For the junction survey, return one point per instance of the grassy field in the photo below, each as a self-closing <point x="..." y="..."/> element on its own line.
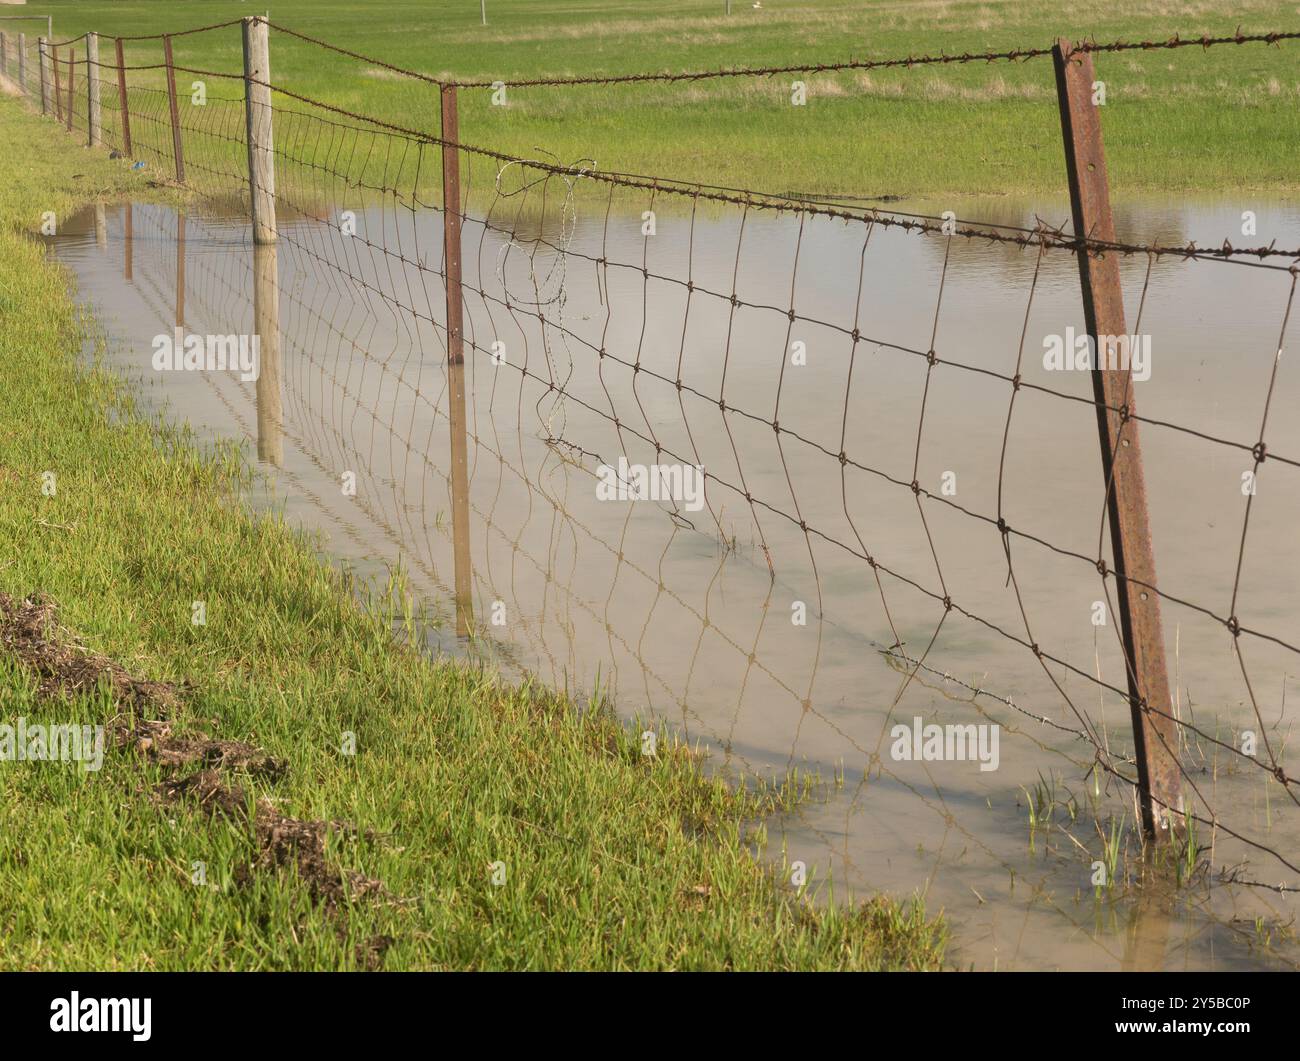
<point x="1184" y="120"/>
<point x="477" y="825"/>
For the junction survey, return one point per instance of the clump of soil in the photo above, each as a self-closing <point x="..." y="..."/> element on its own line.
<point x="30" y="631"/>
<point x="154" y="740"/>
<point x="281" y="841"/>
<point x="370" y="953"/>
<point x="65" y="669"/>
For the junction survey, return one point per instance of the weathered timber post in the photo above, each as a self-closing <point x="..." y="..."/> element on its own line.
<point x="451" y="243"/>
<point x="175" y="110"/>
<point x="93" y="132"/>
<point x="257" y="112"/>
<point x="72" y="70"/>
<point x="1155" y="737"/>
<point x="4" y="53"/>
<point x="58" y="84"/>
<point x="121" y="101"/>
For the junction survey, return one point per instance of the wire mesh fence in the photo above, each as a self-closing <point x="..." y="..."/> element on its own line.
<point x="831" y="371"/>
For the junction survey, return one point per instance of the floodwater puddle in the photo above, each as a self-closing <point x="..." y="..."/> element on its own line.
<point x="846" y="395"/>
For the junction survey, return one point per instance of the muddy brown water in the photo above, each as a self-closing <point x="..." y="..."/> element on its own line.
<point x="688" y="617"/>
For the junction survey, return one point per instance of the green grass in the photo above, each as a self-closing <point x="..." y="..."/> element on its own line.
<point x="612" y="859"/>
<point x="1185" y="120"/>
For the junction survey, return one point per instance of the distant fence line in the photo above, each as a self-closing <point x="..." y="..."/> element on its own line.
<point x="367" y="152"/>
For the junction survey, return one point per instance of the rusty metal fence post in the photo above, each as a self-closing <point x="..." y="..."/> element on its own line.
<point x="43" y="67"/>
<point x="175" y="110"/>
<point x="93" y="116"/>
<point x="1155" y="736"/>
<point x="258" y="128"/>
<point x="121" y="101"/>
<point x="451" y="243"/>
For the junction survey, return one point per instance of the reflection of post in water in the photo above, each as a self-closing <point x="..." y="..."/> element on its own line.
<point x="460" y="496"/>
<point x="101" y="227"/>
<point x="456" y="363"/>
<point x="266" y="326"/>
<point x="1146" y="936"/>
<point x="180" y="269"/>
<point x="128" y="243"/>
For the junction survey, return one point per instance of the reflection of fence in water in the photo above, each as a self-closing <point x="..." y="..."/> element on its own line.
<point x="518" y="217"/>
<point x="339" y="403"/>
<point x="346" y="421"/>
<point x="217" y="288"/>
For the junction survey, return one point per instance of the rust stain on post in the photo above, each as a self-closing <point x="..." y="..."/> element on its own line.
<point x="175" y="110"/>
<point x="121" y="97"/>
<point x="1155" y="734"/>
<point x="456" y="361"/>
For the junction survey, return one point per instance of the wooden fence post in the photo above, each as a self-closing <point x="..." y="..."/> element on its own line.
<point x="175" y="110"/>
<point x="72" y="70"/>
<point x="257" y="114"/>
<point x="93" y="133"/>
<point x="1155" y="735"/>
<point x="58" y="85"/>
<point x="121" y="101"/>
<point x="4" y="53"/>
<point x="451" y="243"/>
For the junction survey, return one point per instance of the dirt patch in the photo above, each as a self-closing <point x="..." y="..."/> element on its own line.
<point x="65" y="669"/>
<point x="31" y="632"/>
<point x="155" y="741"/>
<point x="282" y="842"/>
<point x="370" y="954"/>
